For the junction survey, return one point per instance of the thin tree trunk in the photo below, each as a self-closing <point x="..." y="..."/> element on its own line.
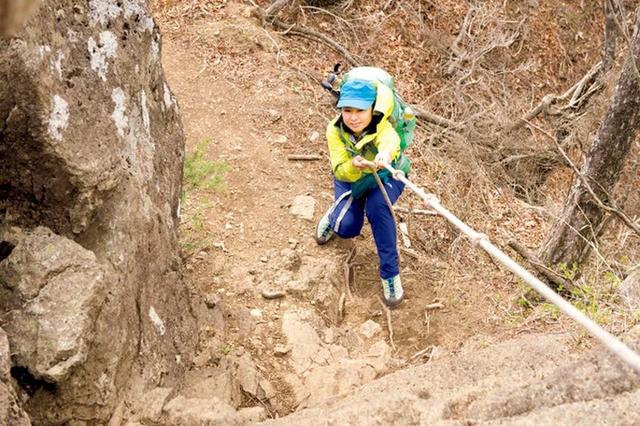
<point x="581" y="220"/>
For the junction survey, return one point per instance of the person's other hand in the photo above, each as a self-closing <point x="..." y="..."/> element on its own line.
<point x="382" y="159"/>
<point x="359" y="162"/>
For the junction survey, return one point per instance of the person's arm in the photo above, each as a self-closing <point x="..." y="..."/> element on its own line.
<point x="388" y="143"/>
<point x="342" y="164"/>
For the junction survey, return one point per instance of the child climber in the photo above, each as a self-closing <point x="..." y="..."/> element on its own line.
<point x="362" y="134"/>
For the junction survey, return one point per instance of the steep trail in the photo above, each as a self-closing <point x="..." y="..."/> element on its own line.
<point x="241" y="238"/>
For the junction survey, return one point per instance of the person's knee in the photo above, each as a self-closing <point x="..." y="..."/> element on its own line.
<point x="349" y="227"/>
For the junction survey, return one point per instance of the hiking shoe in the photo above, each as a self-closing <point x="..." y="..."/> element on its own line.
<point x="392" y="289"/>
<point x="324" y="232"/>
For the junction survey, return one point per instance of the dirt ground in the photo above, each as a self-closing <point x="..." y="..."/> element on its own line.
<point x="240" y="88"/>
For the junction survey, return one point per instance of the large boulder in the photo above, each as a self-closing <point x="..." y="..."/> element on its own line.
<point x="57" y="288"/>
<point x="92" y="149"/>
<point x="529" y="380"/>
<point x="629" y="290"/>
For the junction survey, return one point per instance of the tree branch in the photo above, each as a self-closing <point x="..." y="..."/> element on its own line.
<point x="613" y="208"/>
<point x="574" y="93"/>
<point x="436" y="119"/>
<point x="293" y="29"/>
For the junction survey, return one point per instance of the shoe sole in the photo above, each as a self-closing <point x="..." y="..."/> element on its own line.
<point x="393" y="303"/>
<point x="322" y="241"/>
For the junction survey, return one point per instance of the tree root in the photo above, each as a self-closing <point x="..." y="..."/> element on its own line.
<point x="551" y="275"/>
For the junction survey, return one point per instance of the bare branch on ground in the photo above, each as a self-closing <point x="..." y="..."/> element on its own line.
<point x="577" y="95"/>
<point x="294" y="29"/>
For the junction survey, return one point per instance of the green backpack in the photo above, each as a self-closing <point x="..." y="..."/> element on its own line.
<point x="402" y="118"/>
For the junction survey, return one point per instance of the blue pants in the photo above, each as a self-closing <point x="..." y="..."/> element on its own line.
<point x="347" y="218"/>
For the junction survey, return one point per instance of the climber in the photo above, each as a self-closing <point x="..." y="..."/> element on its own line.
<point x="362" y="134"/>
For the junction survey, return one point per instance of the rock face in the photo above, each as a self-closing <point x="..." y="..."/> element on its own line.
<point x="629" y="290"/>
<point x="530" y="380"/>
<point x="10" y="412"/>
<point x="92" y="150"/>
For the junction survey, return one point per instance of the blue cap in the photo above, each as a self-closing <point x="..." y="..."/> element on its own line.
<point x="358" y="94"/>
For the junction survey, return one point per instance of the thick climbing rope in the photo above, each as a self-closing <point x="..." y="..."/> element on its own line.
<point x="611" y="342"/>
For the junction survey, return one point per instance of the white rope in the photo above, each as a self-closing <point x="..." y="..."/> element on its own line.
<point x="607" y="339"/>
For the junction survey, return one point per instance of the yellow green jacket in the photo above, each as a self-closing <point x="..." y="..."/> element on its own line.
<point x="343" y="146"/>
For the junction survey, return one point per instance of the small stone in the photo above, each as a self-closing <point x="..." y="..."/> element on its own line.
<point x="314" y="136"/>
<point x="220" y="245"/>
<point x="271" y="294"/>
<point x="274" y="114"/>
<point x="228" y="226"/>
<point x="329" y="336"/>
<point x="256" y="313"/>
<point x="281" y="350"/>
<point x="279" y="139"/>
<point x="303" y="206"/>
<point x="263" y="259"/>
<point x="211" y="300"/>
<point x="201" y="255"/>
<point x="370" y="329"/>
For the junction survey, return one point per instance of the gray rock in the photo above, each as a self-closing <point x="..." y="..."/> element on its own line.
<point x="199" y="412"/>
<point x="5" y="357"/>
<point x="50" y="334"/>
<point x="417" y="393"/>
<point x="369" y="329"/>
<point x="212" y="383"/>
<point x="36" y="258"/>
<point x="251" y="415"/>
<point x="10" y="411"/>
<point x="379" y="356"/>
<point x="301" y="336"/>
<point x="101" y="168"/>
<point x="281" y="350"/>
<point x="149" y="408"/>
<point x="629" y="290"/>
<point x="303" y="206"/>
<point x="597" y="375"/>
<point x="251" y="381"/>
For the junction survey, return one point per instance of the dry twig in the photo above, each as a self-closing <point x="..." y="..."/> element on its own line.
<point x="303" y="157"/>
<point x="341" y="305"/>
<point x="437" y="120"/>
<point x="574" y="94"/>
<point x="293" y="29"/>
<point x="389" y="325"/>
<point x="434" y="305"/>
<point x="417" y="212"/>
<point x="349" y="271"/>
<point x="421" y="353"/>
